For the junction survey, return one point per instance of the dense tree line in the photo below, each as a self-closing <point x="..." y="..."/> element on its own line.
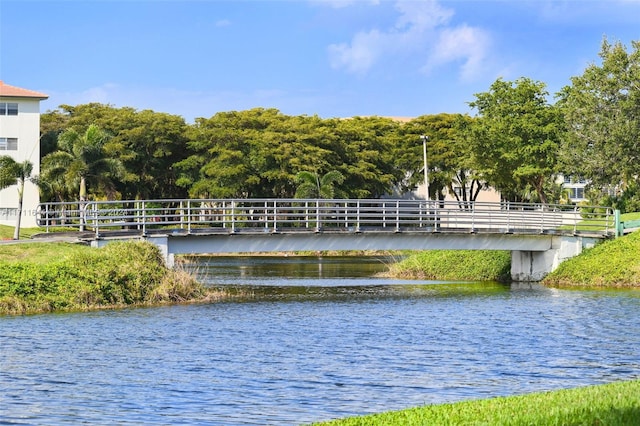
<point x="517" y="142"/>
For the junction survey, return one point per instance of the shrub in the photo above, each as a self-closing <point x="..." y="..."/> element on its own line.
<point x="125" y="273"/>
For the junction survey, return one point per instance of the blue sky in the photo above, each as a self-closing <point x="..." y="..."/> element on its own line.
<point x="333" y="58"/>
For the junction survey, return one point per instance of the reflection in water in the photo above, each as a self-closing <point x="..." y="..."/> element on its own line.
<point x="238" y="268"/>
<point x="304" y="348"/>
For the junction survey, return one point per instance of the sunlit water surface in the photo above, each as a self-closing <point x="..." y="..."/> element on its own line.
<point x="314" y="339"/>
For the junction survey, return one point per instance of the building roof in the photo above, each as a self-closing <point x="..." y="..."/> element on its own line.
<point x="7" y="91"/>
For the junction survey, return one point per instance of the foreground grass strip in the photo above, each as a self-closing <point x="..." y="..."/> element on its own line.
<point x="612" y="404"/>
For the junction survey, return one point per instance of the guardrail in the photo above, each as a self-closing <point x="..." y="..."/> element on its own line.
<point x="324" y="215"/>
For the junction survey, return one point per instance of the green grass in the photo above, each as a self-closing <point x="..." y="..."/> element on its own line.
<point x="47" y="277"/>
<point x="611" y="404"/>
<point x="467" y="265"/>
<point x="630" y="216"/>
<point x="612" y="263"/>
<point x="6" y="232"/>
<point x="39" y="253"/>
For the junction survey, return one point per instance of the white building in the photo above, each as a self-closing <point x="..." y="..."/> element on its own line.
<point x="574" y="188"/>
<point x="20" y="139"/>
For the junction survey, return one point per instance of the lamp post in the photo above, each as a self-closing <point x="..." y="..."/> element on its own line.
<point x="425" y="138"/>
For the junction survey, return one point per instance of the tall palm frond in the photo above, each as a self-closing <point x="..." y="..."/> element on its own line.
<point x="313" y="186"/>
<point x="81" y="161"/>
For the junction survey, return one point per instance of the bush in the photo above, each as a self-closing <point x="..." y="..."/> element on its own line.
<point x="125" y="273"/>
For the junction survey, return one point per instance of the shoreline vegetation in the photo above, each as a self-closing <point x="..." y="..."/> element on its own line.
<point x="64" y="277"/>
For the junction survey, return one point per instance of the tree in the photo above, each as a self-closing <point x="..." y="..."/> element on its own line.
<point x="313" y="186"/>
<point x="12" y="172"/>
<point x="365" y="155"/>
<point x="7" y="171"/>
<point x="449" y="157"/>
<point x="515" y="139"/>
<point x="148" y="144"/>
<point x="602" y="114"/>
<point x="221" y="164"/>
<point x="82" y="161"/>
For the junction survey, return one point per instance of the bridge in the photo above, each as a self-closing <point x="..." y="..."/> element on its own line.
<point x="539" y="237"/>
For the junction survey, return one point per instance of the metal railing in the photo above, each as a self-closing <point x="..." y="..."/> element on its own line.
<point x="324" y="215"/>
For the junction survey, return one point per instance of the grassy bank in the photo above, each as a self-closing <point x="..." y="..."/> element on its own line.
<point x="6" y="232"/>
<point x="611" y="404"/>
<point x="46" y="277"/>
<point x="613" y="263"/>
<point x="468" y="265"/>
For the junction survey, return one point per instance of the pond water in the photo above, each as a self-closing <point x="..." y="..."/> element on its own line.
<point x="314" y="339"/>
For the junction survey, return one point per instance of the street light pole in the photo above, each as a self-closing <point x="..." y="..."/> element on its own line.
<point x="426" y="167"/>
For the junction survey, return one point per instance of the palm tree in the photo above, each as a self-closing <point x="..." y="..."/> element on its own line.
<point x="12" y="172"/>
<point x="81" y="160"/>
<point x="7" y="171"/>
<point x="313" y="186"/>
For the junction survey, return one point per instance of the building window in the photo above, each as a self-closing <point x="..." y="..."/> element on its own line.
<point x="576" y="193"/>
<point x="8" y="108"/>
<point x="8" y="144"/>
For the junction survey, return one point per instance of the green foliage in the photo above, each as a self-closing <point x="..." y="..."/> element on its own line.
<point x="120" y="274"/>
<point x="313" y="186"/>
<point x="627" y="201"/>
<point x="448" y="154"/>
<point x="81" y="161"/>
<point x="613" y="263"/>
<point x="146" y="143"/>
<point x="472" y="265"/>
<point x="611" y="404"/>
<point x="515" y="139"/>
<point x="8" y="171"/>
<point x="602" y="115"/>
<point x="12" y="172"/>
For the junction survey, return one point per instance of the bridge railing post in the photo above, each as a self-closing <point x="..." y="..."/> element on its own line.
<point x="188" y="216"/>
<point x="96" y="223"/>
<point x="318" y="227"/>
<point x="397" y="215"/>
<point x="144" y="218"/>
<point x="233" y="216"/>
<point x="275" y="215"/>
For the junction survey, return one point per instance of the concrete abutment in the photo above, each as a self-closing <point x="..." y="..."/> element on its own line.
<point x="530" y="266"/>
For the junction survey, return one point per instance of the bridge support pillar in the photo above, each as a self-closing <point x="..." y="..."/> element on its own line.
<point x="162" y="242"/>
<point x="535" y="265"/>
<point x="531" y="265"/>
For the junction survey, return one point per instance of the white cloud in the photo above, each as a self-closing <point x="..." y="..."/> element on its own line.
<point x="361" y="54"/>
<point x="422" y="27"/>
<point x="421" y="15"/>
<point x="463" y="43"/>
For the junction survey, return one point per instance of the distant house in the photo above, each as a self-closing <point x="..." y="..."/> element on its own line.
<point x="574" y="188"/>
<point x="20" y="139"/>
